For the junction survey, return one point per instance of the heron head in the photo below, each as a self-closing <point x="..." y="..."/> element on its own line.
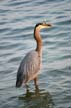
<point x="42" y="25"/>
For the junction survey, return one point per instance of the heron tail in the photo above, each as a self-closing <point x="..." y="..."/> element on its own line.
<point x="19" y="81"/>
<point x="18" y="84"/>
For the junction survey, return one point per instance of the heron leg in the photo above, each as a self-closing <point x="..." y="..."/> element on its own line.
<point x="26" y="85"/>
<point x="35" y="82"/>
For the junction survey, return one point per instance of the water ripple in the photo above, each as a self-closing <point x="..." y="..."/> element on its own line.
<point x="17" y="21"/>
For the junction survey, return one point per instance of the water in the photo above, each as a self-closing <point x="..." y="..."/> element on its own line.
<point x="17" y="21"/>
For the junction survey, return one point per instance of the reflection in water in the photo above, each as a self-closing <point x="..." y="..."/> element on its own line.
<point x="37" y="99"/>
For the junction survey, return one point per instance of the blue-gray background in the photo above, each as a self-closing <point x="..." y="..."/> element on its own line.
<point x="17" y="21"/>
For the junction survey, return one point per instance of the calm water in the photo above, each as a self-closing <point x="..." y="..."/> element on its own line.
<point x="17" y="21"/>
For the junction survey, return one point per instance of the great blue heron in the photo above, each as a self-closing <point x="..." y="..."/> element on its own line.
<point x="30" y="65"/>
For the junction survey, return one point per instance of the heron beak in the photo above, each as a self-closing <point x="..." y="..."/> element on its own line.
<point x="48" y="25"/>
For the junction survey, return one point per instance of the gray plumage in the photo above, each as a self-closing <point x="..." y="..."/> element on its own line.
<point x="29" y="68"/>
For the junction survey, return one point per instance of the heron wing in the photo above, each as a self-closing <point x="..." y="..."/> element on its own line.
<point x="29" y="67"/>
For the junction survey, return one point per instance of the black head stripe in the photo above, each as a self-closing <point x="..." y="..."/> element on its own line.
<point x="38" y="24"/>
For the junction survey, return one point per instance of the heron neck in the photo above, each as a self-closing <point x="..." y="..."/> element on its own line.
<point x="38" y="39"/>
